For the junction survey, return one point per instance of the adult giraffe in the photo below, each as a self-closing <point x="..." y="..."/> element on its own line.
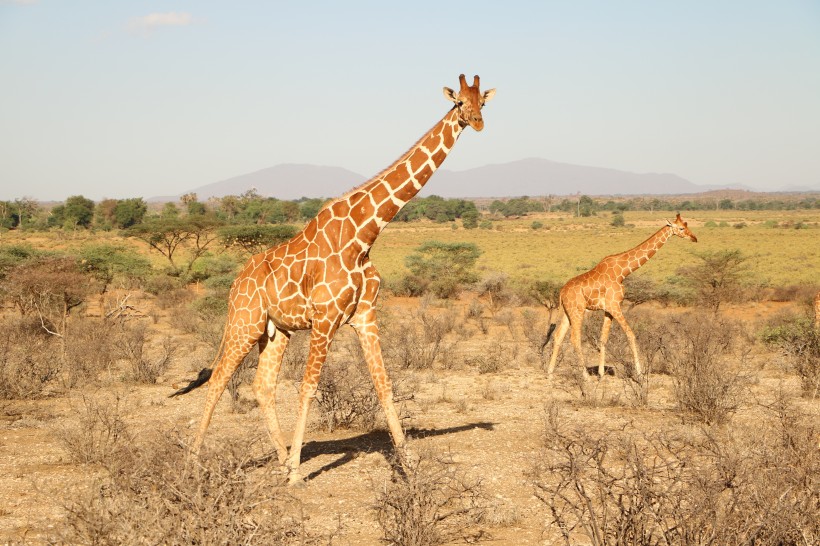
<point x="322" y="278"/>
<point x="602" y="288"/>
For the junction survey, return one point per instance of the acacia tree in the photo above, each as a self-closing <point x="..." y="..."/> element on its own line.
<point x="442" y="268"/>
<point x="166" y="235"/>
<point x="163" y="235"/>
<point x="254" y="239"/>
<point x="718" y="278"/>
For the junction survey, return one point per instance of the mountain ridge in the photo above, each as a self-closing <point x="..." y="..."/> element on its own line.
<point x="531" y="176"/>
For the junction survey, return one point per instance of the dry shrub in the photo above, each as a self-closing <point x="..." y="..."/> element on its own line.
<point x="142" y="367"/>
<point x="475" y="310"/>
<point x="625" y="488"/>
<point x="417" y="343"/>
<point x="243" y="376"/>
<point x="89" y="350"/>
<point x="703" y="357"/>
<point x="508" y="318"/>
<point x="28" y="367"/>
<point x="346" y="397"/>
<point x="296" y="355"/>
<point x="799" y="341"/>
<point x="535" y="328"/>
<point x="98" y="432"/>
<point x="491" y="360"/>
<point x="431" y="501"/>
<point x="166" y="497"/>
<point x="495" y="287"/>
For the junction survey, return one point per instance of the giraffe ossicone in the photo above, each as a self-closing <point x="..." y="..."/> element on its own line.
<point x="322" y="278"/>
<point x="602" y="289"/>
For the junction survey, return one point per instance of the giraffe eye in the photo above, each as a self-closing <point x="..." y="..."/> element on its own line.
<point x="460" y="103"/>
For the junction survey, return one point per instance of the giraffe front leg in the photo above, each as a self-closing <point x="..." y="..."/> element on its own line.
<point x="368" y="332"/>
<point x="236" y="347"/>
<point x="271" y="351"/>
<point x="320" y="337"/>
<point x="604" y="338"/>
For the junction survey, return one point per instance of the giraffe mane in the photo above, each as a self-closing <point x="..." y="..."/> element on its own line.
<point x="402" y="158"/>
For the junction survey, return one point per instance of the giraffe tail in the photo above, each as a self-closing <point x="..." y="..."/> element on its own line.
<point x="204" y="373"/>
<point x="547" y="340"/>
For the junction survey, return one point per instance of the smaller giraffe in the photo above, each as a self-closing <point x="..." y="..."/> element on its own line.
<point x="817" y="312"/>
<point x="602" y="288"/>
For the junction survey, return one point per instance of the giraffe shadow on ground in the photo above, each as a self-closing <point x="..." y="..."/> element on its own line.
<point x="593" y="370"/>
<point x="368" y="442"/>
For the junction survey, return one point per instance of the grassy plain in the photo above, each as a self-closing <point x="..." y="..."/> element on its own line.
<point x="566" y="246"/>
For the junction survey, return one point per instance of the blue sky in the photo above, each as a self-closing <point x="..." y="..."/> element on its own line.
<point x="125" y="99"/>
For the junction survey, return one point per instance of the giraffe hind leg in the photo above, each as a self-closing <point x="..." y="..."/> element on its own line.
<point x="575" y="338"/>
<point x="556" y="348"/>
<point x="630" y="336"/>
<point x="237" y="346"/>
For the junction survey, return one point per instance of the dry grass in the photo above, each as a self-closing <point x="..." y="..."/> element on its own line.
<point x="431" y="501"/>
<point x="154" y="492"/>
<point x="624" y="487"/>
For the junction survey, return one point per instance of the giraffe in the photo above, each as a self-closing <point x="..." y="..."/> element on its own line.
<point x="602" y="288"/>
<point x="322" y="278"/>
<point x="817" y="312"/>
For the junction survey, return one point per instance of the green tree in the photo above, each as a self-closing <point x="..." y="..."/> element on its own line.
<point x="25" y="210"/>
<point x="195" y="208"/>
<point x="470" y="219"/>
<point x="170" y="210"/>
<point x="107" y="262"/>
<point x="77" y="211"/>
<point x="444" y="268"/>
<point x="6" y="214"/>
<point x="586" y="206"/>
<point x="310" y="208"/>
<point x="129" y="212"/>
<point x="104" y="213"/>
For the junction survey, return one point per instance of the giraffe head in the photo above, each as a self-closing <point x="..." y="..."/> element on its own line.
<point x="681" y="229"/>
<point x="469" y="102"/>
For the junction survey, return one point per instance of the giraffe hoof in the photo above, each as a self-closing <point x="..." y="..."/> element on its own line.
<point x="296" y="481"/>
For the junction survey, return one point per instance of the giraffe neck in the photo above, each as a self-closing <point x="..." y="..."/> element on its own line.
<point x="636" y="257"/>
<point x="376" y="202"/>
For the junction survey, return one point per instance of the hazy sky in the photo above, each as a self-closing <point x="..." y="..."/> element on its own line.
<point x="136" y="99"/>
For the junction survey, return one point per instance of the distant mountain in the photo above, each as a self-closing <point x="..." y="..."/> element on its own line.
<point x="536" y="176"/>
<point x="287" y="181"/>
<point x="524" y="177"/>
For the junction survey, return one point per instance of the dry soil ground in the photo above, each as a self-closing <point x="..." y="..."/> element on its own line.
<point x="490" y="423"/>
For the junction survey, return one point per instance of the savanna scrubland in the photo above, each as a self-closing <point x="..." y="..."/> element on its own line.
<point x="718" y="445"/>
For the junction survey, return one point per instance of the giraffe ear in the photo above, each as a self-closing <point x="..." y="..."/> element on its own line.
<point x="489" y="94"/>
<point x="450" y="95"/>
